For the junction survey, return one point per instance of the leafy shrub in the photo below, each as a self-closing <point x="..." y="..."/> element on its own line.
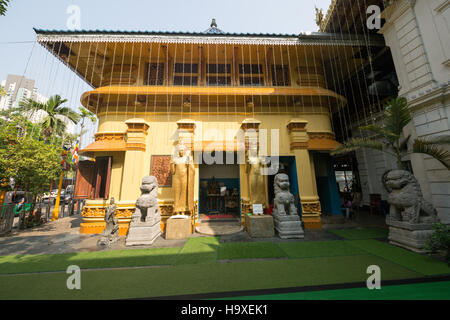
<point x="440" y="240"/>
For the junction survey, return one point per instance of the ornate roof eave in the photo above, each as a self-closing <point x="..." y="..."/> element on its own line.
<point x="302" y="39"/>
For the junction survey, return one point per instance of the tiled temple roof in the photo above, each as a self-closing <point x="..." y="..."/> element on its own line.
<point x="206" y="36"/>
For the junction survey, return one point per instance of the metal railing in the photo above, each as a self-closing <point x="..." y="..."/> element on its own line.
<point x="34" y="214"/>
<point x="7" y="215"/>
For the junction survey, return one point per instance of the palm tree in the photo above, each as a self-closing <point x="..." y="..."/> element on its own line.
<point x="3" y="5"/>
<point x="53" y="121"/>
<point x="388" y="137"/>
<point x="85" y="114"/>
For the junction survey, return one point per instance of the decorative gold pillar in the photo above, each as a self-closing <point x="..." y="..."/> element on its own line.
<point x="309" y="198"/>
<point x="135" y="141"/>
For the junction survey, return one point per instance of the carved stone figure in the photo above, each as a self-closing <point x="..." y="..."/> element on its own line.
<point x="411" y="217"/>
<point x="145" y="224"/>
<point x="183" y="176"/>
<point x="111" y="233"/>
<point x="147" y="204"/>
<point x="286" y="219"/>
<point x="406" y="200"/>
<point x="284" y="202"/>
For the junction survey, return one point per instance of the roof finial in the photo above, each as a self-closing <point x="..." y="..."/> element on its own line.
<point x="213" y="23"/>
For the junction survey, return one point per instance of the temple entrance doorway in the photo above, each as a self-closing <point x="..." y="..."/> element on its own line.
<point x="219" y="192"/>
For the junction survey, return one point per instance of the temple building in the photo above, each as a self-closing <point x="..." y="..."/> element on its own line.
<point x="235" y="104"/>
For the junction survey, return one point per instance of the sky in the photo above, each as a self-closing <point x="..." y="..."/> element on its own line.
<point x="20" y="55"/>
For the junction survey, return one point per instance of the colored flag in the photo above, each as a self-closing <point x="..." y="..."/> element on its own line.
<point x="75" y="152"/>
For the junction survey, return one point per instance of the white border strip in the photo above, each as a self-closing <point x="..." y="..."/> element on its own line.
<point x="193" y="39"/>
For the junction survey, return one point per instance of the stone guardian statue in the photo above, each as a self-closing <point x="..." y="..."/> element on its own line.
<point x="286" y="219"/>
<point x="411" y="217"/>
<point x="145" y="224"/>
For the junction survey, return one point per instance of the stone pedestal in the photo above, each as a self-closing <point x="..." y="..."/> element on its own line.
<point x="260" y="226"/>
<point x="144" y="233"/>
<point x="288" y="226"/>
<point x="410" y="236"/>
<point x="178" y="228"/>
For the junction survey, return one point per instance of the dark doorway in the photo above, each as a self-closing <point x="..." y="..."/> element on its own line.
<point x="93" y="179"/>
<point x="219" y="192"/>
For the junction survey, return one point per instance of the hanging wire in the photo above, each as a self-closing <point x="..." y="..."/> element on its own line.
<point x="340" y="81"/>
<point x="120" y="85"/>
<point x="283" y="73"/>
<point x="73" y="83"/>
<point x="275" y="68"/>
<point x="157" y="74"/>
<point x="344" y="87"/>
<point x="108" y="103"/>
<point x="330" y="111"/>
<point x="361" y="132"/>
<point x="334" y="88"/>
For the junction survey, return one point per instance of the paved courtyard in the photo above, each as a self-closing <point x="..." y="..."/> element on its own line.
<point x="63" y="236"/>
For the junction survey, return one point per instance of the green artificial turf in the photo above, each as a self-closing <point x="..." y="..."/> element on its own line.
<point x="199" y="278"/>
<point x="361" y="233"/>
<point x="417" y="291"/>
<point x="414" y="261"/>
<point x="87" y="260"/>
<point x="249" y="250"/>
<point x="198" y="250"/>
<point x="319" y="249"/>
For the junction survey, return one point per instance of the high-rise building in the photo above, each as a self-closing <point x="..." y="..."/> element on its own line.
<point x="19" y="88"/>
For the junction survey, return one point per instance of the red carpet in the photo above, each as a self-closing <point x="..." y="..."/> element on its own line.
<point x="219" y="216"/>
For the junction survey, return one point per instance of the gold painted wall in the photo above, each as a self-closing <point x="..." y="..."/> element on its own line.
<point x="159" y="141"/>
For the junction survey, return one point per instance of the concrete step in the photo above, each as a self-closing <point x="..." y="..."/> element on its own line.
<point x="219" y="227"/>
<point x="225" y="220"/>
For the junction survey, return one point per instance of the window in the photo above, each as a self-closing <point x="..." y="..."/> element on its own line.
<point x="251" y="81"/>
<point x="185" y="74"/>
<point x="218" y="68"/>
<point x="93" y="179"/>
<point x="186" y="68"/>
<point x="185" y="81"/>
<point x="281" y="76"/>
<point x="251" y="75"/>
<point x="154" y="74"/>
<point x="218" y="74"/>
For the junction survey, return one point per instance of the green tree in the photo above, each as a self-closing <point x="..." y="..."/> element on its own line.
<point x="25" y="157"/>
<point x="53" y="121"/>
<point x="3" y="5"/>
<point x="2" y="91"/>
<point x="388" y="137"/>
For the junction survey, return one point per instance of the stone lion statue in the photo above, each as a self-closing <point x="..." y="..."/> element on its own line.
<point x="284" y="202"/>
<point x="147" y="204"/>
<point x="406" y="200"/>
